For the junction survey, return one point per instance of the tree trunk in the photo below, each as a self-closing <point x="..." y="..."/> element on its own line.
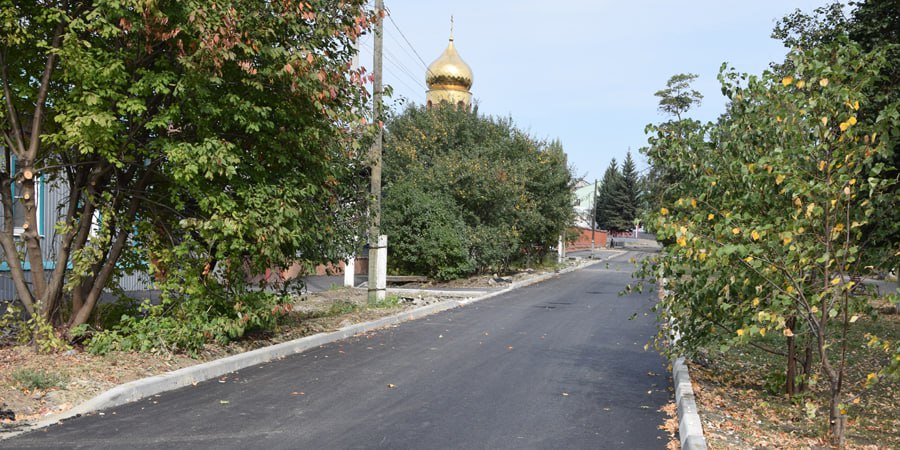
<point x="838" y="420"/>
<point x="790" y="382"/>
<point x="807" y="365"/>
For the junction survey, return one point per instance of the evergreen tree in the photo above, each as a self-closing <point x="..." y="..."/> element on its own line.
<point x="608" y="212"/>
<point x="628" y="194"/>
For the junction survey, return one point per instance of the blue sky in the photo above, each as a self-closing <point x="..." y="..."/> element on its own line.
<point x="583" y="71"/>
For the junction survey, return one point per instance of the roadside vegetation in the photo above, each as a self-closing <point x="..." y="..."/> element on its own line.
<point x="776" y="214"/>
<point x="467" y="194"/>
<point x="205" y="145"/>
<point x="200" y="143"/>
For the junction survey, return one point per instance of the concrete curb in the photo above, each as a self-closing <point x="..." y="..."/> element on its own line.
<point x="690" y="428"/>
<point x="146" y="387"/>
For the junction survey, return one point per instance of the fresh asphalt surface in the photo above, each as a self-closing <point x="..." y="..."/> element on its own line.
<point x="554" y="365"/>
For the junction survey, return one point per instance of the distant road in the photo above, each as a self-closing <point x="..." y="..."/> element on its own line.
<point x="557" y="365"/>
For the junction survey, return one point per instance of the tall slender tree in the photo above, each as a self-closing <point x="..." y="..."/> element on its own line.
<point x="628" y="197"/>
<point x="609" y="214"/>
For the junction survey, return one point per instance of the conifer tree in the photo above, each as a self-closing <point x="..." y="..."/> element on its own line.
<point x="608" y="212"/>
<point x="627" y="196"/>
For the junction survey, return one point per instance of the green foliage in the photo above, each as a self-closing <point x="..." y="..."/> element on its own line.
<point x="667" y="140"/>
<point x="619" y="197"/>
<point x="32" y="330"/>
<point x="465" y="193"/>
<point x="212" y="140"/>
<point x="608" y="213"/>
<point x="765" y="220"/>
<point x="678" y="97"/>
<point x="186" y="325"/>
<point x="33" y="379"/>
<point x="427" y="233"/>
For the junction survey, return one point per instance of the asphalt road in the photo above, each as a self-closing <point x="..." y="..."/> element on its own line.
<point x="555" y="365"/>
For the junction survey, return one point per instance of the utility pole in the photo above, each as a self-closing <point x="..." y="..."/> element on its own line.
<point x="593" y="216"/>
<point x="377" y="242"/>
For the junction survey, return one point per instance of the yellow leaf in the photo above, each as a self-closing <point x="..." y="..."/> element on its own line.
<point x="790" y="289"/>
<point x="740" y="332"/>
<point x="710" y="217"/>
<point x="843" y="126"/>
<point x="754" y="235"/>
<point x="663" y="211"/>
<point x="735" y="231"/>
<point x="693" y="202"/>
<point x="854" y="318"/>
<point x="856" y="105"/>
<point x="713" y="183"/>
<point x="787" y="332"/>
<point x="822" y="165"/>
<point x="835" y="281"/>
<point x="756" y="301"/>
<point x="787" y="241"/>
<point x="801" y="84"/>
<point x="748" y="259"/>
<point x="779" y="179"/>
<point x="824" y="121"/>
<point x="852" y="120"/>
<point x="823" y="82"/>
<point x="762" y="331"/>
<point x="681" y="241"/>
<point x="852" y="181"/>
<point x="786" y="81"/>
<point x="797" y="202"/>
<point x="871" y="377"/>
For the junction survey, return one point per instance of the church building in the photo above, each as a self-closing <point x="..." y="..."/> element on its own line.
<point x="449" y="79"/>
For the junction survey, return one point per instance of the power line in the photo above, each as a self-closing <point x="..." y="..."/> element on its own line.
<point x="402" y="70"/>
<point x="406" y="71"/>
<point x="393" y="22"/>
<point x="402" y="45"/>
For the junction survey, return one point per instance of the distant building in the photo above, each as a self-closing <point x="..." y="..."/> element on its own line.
<point x="585" y="237"/>
<point x="449" y="79"/>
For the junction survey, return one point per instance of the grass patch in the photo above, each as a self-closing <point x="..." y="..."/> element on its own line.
<point x="388" y="302"/>
<point x="33" y="379"/>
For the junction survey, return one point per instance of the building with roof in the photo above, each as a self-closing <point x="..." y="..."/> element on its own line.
<point x="449" y="79"/>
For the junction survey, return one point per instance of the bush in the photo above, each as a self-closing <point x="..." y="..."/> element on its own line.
<point x="186" y="324"/>
<point x="466" y="193"/>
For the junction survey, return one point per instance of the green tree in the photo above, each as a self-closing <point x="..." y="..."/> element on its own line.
<point x="668" y="139"/>
<point x="875" y="26"/>
<point x="609" y="199"/>
<point x="506" y="197"/>
<point x="678" y="97"/>
<point x="766" y="229"/>
<point x="199" y="141"/>
<point x="628" y="197"/>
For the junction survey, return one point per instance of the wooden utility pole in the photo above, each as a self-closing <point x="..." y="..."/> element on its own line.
<point x="377" y="243"/>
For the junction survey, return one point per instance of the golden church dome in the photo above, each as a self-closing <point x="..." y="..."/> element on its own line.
<point x="449" y="71"/>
